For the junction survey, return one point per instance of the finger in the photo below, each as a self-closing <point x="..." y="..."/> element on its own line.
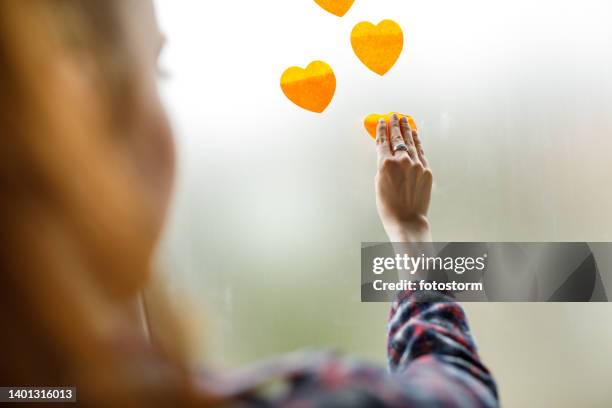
<point x="419" y="148"/>
<point x="382" y="141"/>
<point x="407" y="135"/>
<point x="397" y="140"/>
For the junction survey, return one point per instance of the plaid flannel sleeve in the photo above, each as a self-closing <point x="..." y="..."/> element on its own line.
<point x="430" y="348"/>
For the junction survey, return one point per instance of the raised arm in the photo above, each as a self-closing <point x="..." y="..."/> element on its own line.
<point x="433" y="361"/>
<point x="429" y="346"/>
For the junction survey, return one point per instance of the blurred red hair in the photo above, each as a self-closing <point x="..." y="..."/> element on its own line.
<point x="78" y="234"/>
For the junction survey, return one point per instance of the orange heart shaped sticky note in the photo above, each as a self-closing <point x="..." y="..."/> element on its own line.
<point x="371" y="121"/>
<point x="337" y="7"/>
<point x="312" y="88"/>
<point x="378" y="46"/>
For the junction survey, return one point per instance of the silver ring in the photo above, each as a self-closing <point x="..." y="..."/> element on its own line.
<point x="400" y="147"/>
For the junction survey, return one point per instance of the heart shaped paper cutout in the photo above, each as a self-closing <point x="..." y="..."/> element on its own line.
<point x="337" y="7"/>
<point x="378" y="46"/>
<point x="371" y="121"/>
<point x="312" y="88"/>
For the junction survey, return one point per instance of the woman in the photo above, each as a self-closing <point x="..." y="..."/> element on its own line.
<point x="86" y="167"/>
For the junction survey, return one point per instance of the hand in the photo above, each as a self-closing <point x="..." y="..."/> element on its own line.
<point x="403" y="182"/>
